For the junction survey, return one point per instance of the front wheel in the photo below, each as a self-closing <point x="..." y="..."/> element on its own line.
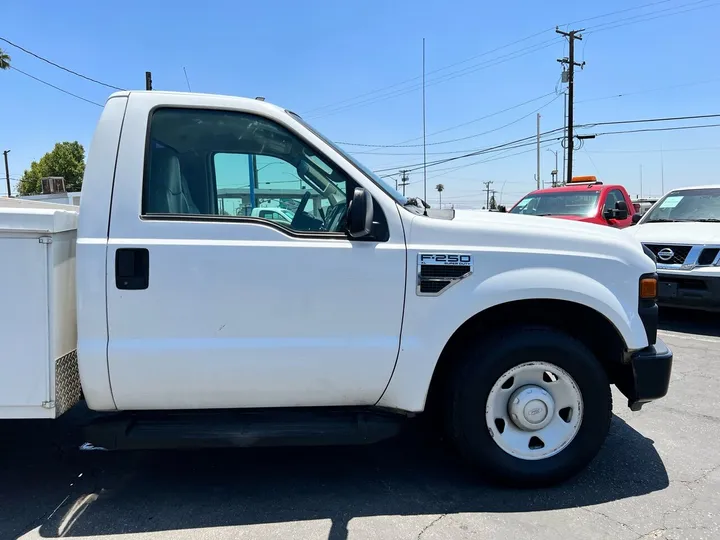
<point x="529" y="407"/>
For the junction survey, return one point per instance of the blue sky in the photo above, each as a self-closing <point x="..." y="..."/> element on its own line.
<point x="318" y="57"/>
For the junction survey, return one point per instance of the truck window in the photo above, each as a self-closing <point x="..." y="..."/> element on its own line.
<point x="613" y="196"/>
<point x="223" y="163"/>
<point x="558" y="203"/>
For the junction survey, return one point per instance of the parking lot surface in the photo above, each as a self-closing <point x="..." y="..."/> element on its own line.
<point x="657" y="477"/>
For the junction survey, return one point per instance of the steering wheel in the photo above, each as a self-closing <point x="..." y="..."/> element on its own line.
<point x="298" y="218"/>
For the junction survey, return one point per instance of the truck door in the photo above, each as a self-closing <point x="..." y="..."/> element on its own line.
<point x="213" y="306"/>
<point x="612" y="197"/>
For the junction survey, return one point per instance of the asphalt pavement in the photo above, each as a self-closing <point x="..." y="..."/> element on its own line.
<point x="657" y="477"/>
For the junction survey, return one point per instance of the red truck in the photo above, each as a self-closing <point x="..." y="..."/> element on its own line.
<point x="584" y="199"/>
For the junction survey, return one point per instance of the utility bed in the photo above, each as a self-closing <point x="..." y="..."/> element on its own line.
<point x="38" y="332"/>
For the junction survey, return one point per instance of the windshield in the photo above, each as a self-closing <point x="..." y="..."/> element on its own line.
<point x="389" y="189"/>
<point x="686" y="205"/>
<point x="558" y="203"/>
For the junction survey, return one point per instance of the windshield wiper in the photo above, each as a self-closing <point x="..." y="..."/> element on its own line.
<point x="708" y="220"/>
<point x="662" y="220"/>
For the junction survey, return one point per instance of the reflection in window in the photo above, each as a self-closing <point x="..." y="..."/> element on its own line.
<point x="235" y="164"/>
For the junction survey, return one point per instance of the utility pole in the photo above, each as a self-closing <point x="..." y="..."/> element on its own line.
<point x="641" y="194"/>
<point x="404" y="180"/>
<point x="539" y="183"/>
<point x="148" y="80"/>
<point x="7" y="173"/>
<point x="571" y="63"/>
<point x="487" y="194"/>
<point x="564" y="135"/>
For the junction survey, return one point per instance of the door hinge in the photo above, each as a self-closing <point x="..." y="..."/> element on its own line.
<point x="45" y="240"/>
<point x="48" y="404"/>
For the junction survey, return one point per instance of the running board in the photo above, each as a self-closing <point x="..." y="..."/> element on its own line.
<point x="237" y="428"/>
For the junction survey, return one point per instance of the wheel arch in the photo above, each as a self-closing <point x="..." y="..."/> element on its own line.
<point x="586" y="324"/>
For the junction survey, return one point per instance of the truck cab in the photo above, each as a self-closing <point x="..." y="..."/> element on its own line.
<point x="584" y="199"/>
<point x="198" y="314"/>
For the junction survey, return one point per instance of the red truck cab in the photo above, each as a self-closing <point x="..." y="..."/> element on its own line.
<point x="584" y="199"/>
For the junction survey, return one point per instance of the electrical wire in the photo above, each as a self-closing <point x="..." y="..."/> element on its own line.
<point x="59" y="66"/>
<point x="56" y="87"/>
<point x="529" y="139"/>
<point x="480" y="55"/>
<point x="611" y="25"/>
<point x="438" y="70"/>
<point x="618" y="12"/>
<point x="450" y="76"/>
<point x="475" y="134"/>
<point x="403" y="145"/>
<point x="638" y="92"/>
<point x="647" y="130"/>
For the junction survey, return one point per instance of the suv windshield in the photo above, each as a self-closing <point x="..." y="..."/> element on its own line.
<point x="558" y="203"/>
<point x="686" y="205"/>
<point x="390" y="190"/>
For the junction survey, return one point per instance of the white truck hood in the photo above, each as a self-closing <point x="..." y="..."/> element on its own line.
<point x="504" y="231"/>
<point x="676" y="233"/>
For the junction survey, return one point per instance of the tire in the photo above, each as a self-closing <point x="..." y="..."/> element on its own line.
<point x="468" y="410"/>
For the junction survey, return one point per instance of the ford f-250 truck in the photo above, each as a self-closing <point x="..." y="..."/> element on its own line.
<point x="197" y="326"/>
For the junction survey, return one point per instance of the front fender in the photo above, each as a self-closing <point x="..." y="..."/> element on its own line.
<point x="557" y="284"/>
<point x="427" y="328"/>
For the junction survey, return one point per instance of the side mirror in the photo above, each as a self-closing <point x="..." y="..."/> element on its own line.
<point x="360" y="214"/>
<point x="502" y="208"/>
<point x="621" y="210"/>
<point x="636" y="218"/>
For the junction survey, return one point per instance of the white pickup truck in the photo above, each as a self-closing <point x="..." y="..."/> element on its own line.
<point x="197" y="326"/>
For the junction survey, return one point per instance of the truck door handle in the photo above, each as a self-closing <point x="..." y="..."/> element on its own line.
<point x="132" y="268"/>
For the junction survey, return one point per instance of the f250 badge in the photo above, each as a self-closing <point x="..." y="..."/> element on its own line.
<point x="445" y="259"/>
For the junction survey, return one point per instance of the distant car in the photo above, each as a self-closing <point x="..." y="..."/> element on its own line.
<point x="683" y="231"/>
<point x="274" y="213"/>
<point x="643" y="205"/>
<point x="584" y="199"/>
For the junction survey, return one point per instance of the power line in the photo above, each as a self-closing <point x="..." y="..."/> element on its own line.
<point x="59" y="66"/>
<point x="648" y="120"/>
<point x="444" y="78"/>
<point x="618" y="12"/>
<point x="625" y="94"/>
<point x="403" y="145"/>
<point x="56" y="87"/>
<point x="611" y="25"/>
<point x="696" y="149"/>
<point x="647" y="130"/>
<point x="475" y="135"/>
<point x="530" y="140"/>
<point x="438" y="70"/>
<point x="380" y="90"/>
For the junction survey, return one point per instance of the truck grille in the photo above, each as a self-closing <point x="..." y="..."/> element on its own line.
<point x="668" y="254"/>
<point x="707" y="256"/>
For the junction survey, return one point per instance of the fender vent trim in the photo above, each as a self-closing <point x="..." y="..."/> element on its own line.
<point x="437" y="272"/>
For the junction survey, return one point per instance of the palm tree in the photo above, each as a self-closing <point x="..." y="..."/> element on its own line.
<point x="440" y="188"/>
<point x="4" y="60"/>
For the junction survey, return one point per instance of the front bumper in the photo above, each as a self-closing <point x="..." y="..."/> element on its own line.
<point x="648" y="375"/>
<point x="689" y="291"/>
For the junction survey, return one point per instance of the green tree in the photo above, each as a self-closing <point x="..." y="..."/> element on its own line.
<point x="4" y="60"/>
<point x="67" y="159"/>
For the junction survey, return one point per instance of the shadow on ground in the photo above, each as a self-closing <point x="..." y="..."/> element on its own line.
<point x="46" y="483"/>
<point x="690" y="321"/>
